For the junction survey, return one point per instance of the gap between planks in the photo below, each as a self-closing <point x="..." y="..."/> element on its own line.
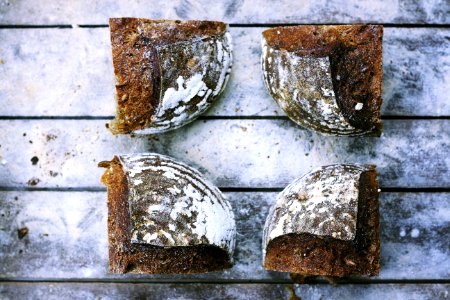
<point x="242" y="25"/>
<point x="318" y="281"/>
<point x="222" y="189"/>
<point x="215" y="117"/>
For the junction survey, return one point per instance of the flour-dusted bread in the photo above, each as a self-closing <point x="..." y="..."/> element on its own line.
<point x="164" y="218"/>
<point x="326" y="78"/>
<point x="167" y="72"/>
<point x="326" y="223"/>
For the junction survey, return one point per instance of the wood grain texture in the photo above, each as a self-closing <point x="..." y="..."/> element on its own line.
<point x="375" y="292"/>
<point x="235" y="11"/>
<point x="231" y="153"/>
<point x="221" y="291"/>
<point x="82" y="291"/>
<point x="21" y="290"/>
<point x="68" y="72"/>
<point x="71" y="73"/>
<point x="67" y="237"/>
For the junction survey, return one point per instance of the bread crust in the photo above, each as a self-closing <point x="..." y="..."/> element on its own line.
<point x="326" y="78"/>
<point x="167" y="72"/>
<point x="155" y="227"/>
<point x="315" y="233"/>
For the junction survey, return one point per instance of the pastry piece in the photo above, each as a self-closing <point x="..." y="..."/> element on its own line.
<point x="326" y="223"/>
<point x="326" y="78"/>
<point x="167" y="72"/>
<point x="164" y="218"/>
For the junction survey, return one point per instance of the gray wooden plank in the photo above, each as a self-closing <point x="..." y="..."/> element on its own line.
<point x="416" y="72"/>
<point x="16" y="290"/>
<point x="231" y="153"/>
<point x="236" y="11"/>
<point x="67" y="237"/>
<point x="56" y="72"/>
<point x="375" y="292"/>
<point x="70" y="74"/>
<point x="59" y="290"/>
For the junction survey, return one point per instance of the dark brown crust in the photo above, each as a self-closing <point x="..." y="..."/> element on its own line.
<point x="164" y="32"/>
<point x="307" y="254"/>
<point x="355" y="53"/>
<point x="138" y="80"/>
<point x="125" y="257"/>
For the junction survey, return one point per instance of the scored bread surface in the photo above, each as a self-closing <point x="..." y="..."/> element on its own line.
<point x="167" y="72"/>
<point x="326" y="78"/>
<point x="323" y="202"/>
<point x="164" y="218"/>
<point x="326" y="223"/>
<point x="172" y="205"/>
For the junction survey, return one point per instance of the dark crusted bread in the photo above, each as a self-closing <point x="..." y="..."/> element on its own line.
<point x="167" y="72"/>
<point x="164" y="218"/>
<point x="326" y="78"/>
<point x="326" y="223"/>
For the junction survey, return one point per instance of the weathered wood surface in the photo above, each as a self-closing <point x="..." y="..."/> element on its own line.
<point x="67" y="237"/>
<point x="68" y="72"/>
<point x="231" y="153"/>
<point x="235" y="11"/>
<point x="82" y="291"/>
<point x="375" y="292"/>
<point x="53" y="290"/>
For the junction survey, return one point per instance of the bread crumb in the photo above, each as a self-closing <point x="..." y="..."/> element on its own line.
<point x="22" y="232"/>
<point x="33" y="181"/>
<point x="34" y="160"/>
<point x="359" y="106"/>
